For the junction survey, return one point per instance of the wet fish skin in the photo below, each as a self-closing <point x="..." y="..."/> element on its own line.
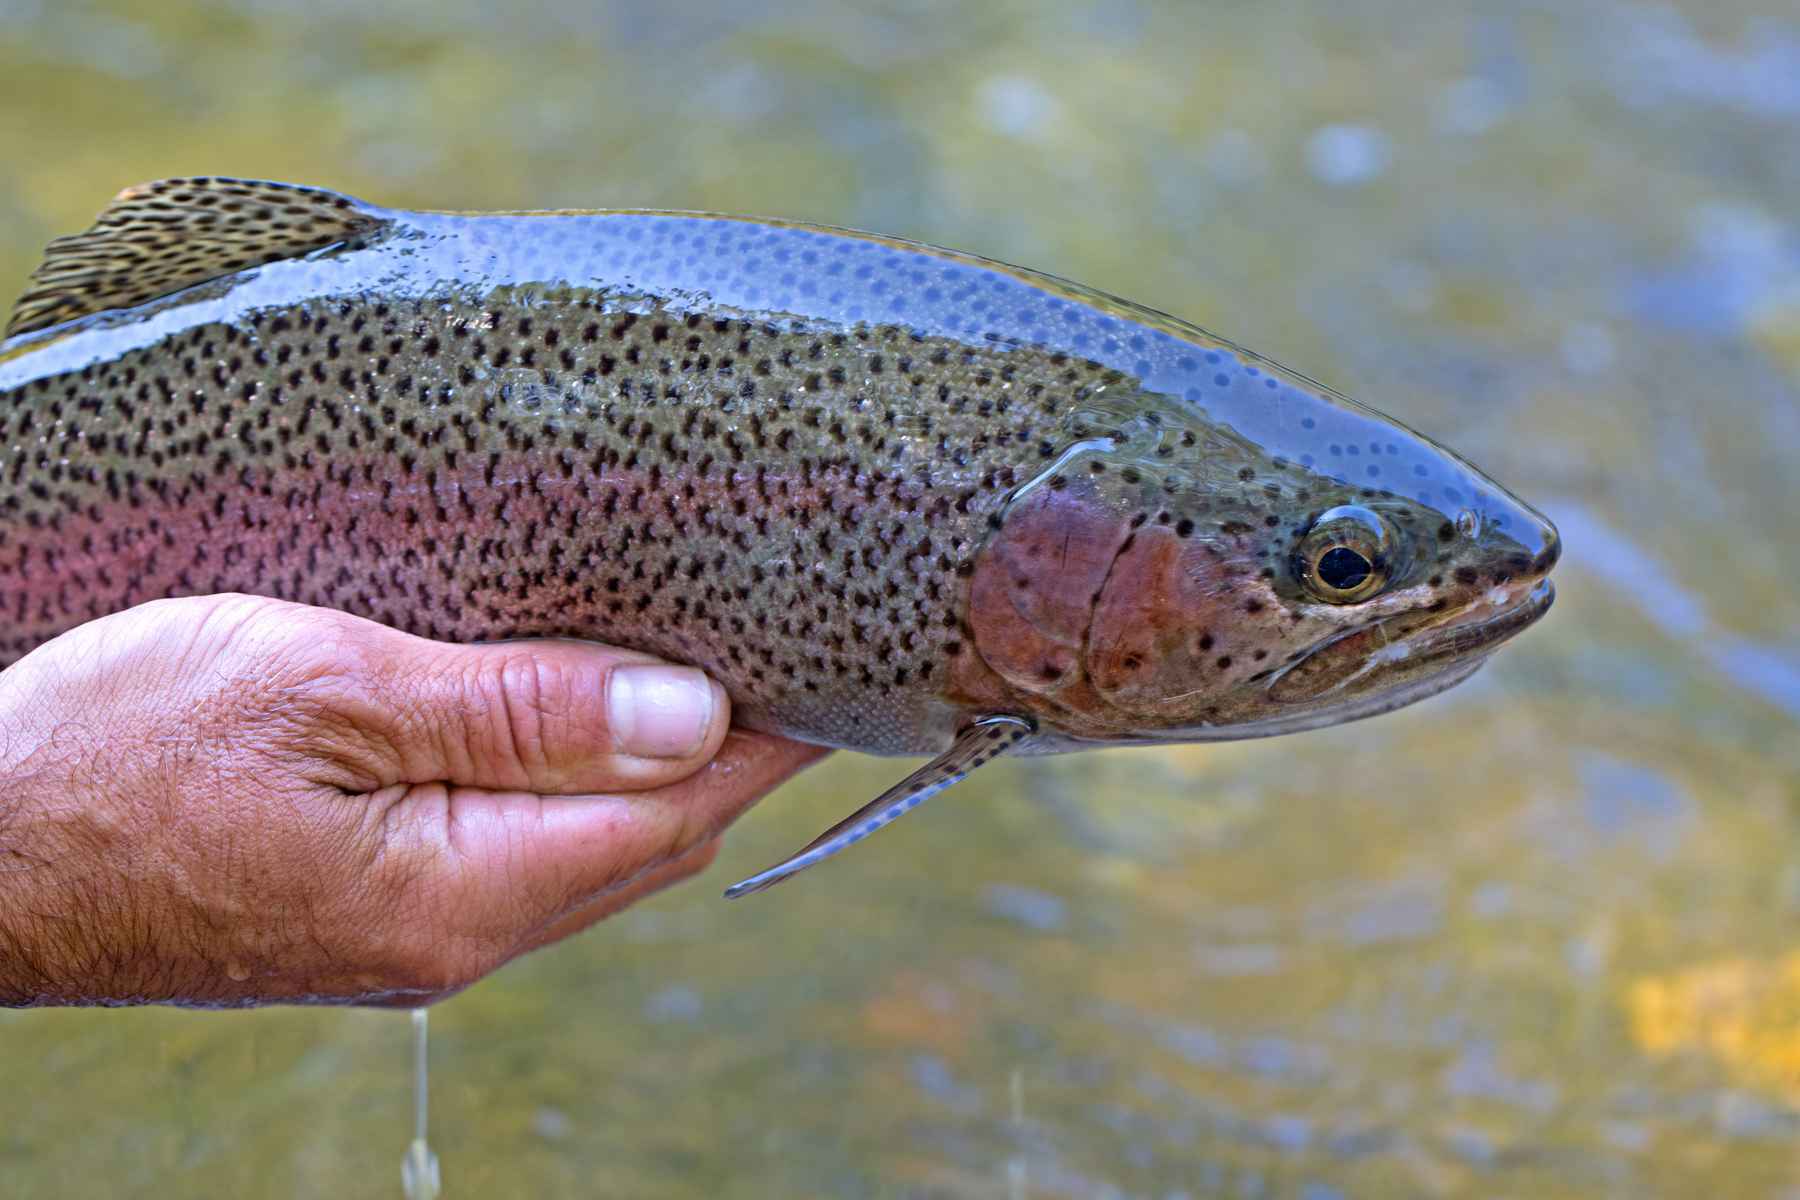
<point x="879" y="490"/>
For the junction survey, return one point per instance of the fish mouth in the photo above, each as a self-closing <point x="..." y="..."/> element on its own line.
<point x="1412" y="660"/>
<point x="1401" y="652"/>
<point x="1338" y="711"/>
<point x="1460" y="635"/>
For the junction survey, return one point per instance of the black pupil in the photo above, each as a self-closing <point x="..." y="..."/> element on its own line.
<point x="1343" y="568"/>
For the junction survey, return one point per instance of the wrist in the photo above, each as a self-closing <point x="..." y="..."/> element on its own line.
<point x="57" y="943"/>
<point x="24" y="979"/>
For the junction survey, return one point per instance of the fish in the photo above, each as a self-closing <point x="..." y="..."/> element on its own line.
<point x="895" y="498"/>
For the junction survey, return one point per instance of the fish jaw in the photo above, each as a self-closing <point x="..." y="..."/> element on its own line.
<point x="1297" y="721"/>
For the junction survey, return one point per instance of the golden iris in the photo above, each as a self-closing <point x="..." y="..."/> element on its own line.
<point x="1345" y="557"/>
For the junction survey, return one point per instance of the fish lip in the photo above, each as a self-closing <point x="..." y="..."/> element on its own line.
<point x="1373" y="704"/>
<point x="1457" y="636"/>
<point x="1417" y="644"/>
<point x="1420" y="639"/>
<point x="1358" y="708"/>
<point x="1468" y="644"/>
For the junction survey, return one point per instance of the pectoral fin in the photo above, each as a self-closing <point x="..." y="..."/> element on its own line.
<point x="985" y="739"/>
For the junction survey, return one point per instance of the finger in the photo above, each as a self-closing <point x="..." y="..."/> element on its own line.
<point x="559" y="927"/>
<point x="534" y="858"/>
<point x="553" y="717"/>
<point x="619" y="898"/>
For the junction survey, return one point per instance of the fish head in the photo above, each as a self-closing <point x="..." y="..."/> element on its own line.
<point x="1178" y="580"/>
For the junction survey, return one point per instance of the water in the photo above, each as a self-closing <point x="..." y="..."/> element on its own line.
<point x="420" y="1176"/>
<point x="1533" y="937"/>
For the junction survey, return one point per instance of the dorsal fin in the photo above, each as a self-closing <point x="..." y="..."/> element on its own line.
<point x="160" y="237"/>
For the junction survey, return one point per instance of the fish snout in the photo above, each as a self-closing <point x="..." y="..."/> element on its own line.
<point x="1550" y="548"/>
<point x="1519" y="529"/>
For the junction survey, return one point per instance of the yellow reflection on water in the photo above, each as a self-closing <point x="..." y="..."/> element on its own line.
<point x="1742" y="1012"/>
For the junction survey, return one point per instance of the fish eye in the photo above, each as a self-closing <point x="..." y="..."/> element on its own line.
<point x="1343" y="569"/>
<point x="1344" y="558"/>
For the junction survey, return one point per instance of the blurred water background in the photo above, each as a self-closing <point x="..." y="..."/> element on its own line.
<point x="1538" y="937"/>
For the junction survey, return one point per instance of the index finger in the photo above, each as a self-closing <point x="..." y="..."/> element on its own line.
<point x="556" y="853"/>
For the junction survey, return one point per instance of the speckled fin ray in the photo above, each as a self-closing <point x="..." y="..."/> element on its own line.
<point x="160" y="237"/>
<point x="987" y="738"/>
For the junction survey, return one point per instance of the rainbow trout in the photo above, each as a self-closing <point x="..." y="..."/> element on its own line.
<point x="896" y="499"/>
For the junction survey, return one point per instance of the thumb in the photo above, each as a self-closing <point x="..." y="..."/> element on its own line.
<point x="551" y="717"/>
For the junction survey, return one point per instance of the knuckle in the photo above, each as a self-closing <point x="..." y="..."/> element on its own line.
<point x="422" y="925"/>
<point x="684" y="835"/>
<point x="696" y="859"/>
<point x="313" y="697"/>
<point x="410" y="948"/>
<point x="271" y="668"/>
<point x="529" y="690"/>
<point x="438" y="966"/>
<point x="690" y="830"/>
<point x="526" y="698"/>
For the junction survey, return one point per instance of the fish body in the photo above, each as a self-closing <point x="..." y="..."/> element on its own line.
<point x="883" y="492"/>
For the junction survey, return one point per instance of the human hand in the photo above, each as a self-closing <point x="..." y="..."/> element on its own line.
<point x="229" y="800"/>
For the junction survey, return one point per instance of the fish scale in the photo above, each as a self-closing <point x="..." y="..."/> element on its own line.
<point x="256" y="458"/>
<point x="888" y="495"/>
